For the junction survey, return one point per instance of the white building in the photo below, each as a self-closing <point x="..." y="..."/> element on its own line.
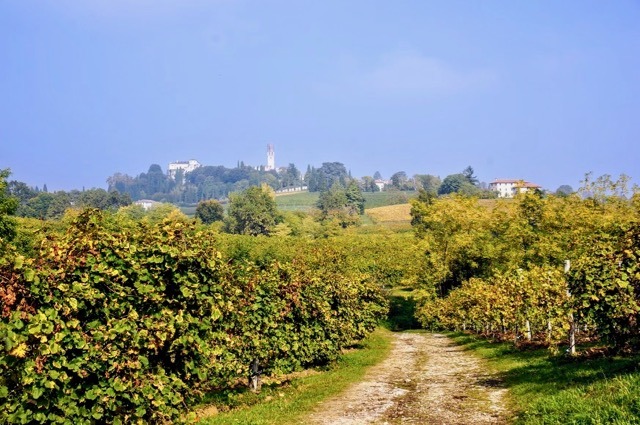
<point x="507" y="188"/>
<point x="381" y="183"/>
<point x="186" y="166"/>
<point x="271" y="158"/>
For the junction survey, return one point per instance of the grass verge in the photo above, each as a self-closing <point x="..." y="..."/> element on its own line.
<point x="548" y="389"/>
<point x="290" y="401"/>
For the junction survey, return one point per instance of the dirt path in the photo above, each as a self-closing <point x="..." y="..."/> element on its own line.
<point x="426" y="379"/>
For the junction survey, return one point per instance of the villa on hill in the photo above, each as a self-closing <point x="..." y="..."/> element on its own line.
<point x="507" y="188"/>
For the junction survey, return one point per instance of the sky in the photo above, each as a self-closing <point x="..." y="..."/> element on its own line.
<point x="543" y="91"/>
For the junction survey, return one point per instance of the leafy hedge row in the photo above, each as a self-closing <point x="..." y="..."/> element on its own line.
<point x="132" y="325"/>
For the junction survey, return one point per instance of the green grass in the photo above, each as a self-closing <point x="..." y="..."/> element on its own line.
<point x="290" y="402"/>
<point x="305" y="201"/>
<point x="548" y="389"/>
<point x="302" y="201"/>
<point x="382" y="199"/>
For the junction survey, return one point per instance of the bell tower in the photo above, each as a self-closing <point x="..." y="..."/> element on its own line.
<point x="271" y="158"/>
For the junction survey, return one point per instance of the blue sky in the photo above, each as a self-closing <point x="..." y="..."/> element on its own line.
<point x="540" y="90"/>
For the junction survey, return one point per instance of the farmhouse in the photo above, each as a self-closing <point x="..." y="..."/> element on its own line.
<point x="509" y="188"/>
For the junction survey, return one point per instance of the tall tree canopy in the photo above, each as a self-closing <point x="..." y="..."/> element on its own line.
<point x="209" y="211"/>
<point x="253" y="212"/>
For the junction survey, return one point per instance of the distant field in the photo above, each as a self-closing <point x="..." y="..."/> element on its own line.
<point x="390" y="214"/>
<point x="304" y="201"/>
<point x="381" y="199"/>
<point x="299" y="201"/>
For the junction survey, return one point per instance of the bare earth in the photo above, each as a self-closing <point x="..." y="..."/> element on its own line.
<point x="426" y="379"/>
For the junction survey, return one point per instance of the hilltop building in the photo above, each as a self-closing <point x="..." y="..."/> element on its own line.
<point x="271" y="158"/>
<point x="186" y="166"/>
<point x="507" y="188"/>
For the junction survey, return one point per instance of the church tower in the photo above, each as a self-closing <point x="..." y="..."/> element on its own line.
<point x="271" y="158"/>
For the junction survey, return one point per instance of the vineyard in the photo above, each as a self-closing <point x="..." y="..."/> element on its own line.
<point x="535" y="269"/>
<point x="109" y="318"/>
<point x="127" y="322"/>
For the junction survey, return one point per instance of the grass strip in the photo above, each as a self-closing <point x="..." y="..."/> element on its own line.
<point x="291" y="401"/>
<point x="547" y="389"/>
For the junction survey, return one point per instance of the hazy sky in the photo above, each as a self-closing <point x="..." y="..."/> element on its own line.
<point x="539" y="90"/>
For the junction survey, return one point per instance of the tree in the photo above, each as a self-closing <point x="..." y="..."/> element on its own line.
<point x="355" y="199"/>
<point x="457" y="183"/>
<point x="340" y="205"/>
<point x="564" y="190"/>
<point x="369" y="184"/>
<point x="209" y="211"/>
<point x="399" y="180"/>
<point x="324" y="177"/>
<point x="21" y="191"/>
<point x="252" y="212"/>
<point x="377" y="175"/>
<point x="8" y="206"/>
<point x="468" y="174"/>
<point x="427" y="182"/>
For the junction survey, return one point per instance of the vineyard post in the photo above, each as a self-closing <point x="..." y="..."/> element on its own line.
<point x="572" y="325"/>
<point x="255" y="383"/>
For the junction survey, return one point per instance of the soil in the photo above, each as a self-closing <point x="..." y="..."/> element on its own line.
<point x="427" y="379"/>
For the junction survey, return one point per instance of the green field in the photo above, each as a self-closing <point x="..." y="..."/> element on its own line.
<point x="300" y="201"/>
<point x="305" y="201"/>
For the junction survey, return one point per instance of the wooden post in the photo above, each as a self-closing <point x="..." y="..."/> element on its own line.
<point x="527" y="326"/>
<point x="572" y="324"/>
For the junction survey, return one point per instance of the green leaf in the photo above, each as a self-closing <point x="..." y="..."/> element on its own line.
<point x="36" y="392"/>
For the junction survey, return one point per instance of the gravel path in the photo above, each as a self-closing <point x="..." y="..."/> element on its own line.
<point x="426" y="379"/>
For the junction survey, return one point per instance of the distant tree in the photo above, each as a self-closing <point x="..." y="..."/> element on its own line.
<point x="164" y="211"/>
<point x="290" y="177"/>
<point x="399" y="180"/>
<point x="377" y="175"/>
<point x="564" y="190"/>
<point x="101" y="199"/>
<point x="468" y="174"/>
<point x="209" y="211"/>
<point x="8" y="206"/>
<point x="457" y="183"/>
<point x="427" y="182"/>
<point x="337" y="207"/>
<point x="21" y="191"/>
<point x="60" y="202"/>
<point x="355" y="199"/>
<point x="252" y="212"/>
<point x="332" y="172"/>
<point x="333" y="199"/>
<point x="44" y="188"/>
<point x="369" y="184"/>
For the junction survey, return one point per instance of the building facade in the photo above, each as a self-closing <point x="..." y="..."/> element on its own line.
<point x="507" y="188"/>
<point x="185" y="166"/>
